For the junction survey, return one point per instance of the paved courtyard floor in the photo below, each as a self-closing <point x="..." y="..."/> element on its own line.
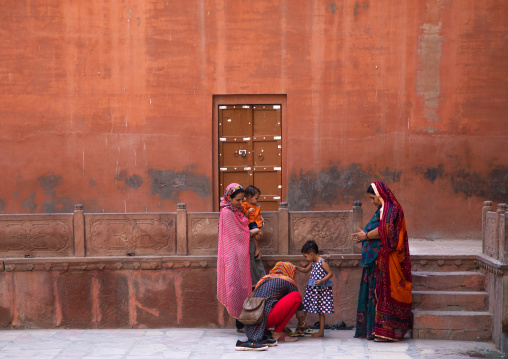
<point x="219" y="343"/>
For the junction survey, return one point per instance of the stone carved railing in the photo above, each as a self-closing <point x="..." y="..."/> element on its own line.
<point x="495" y="231"/>
<point x="494" y="261"/>
<point x="167" y="234"/>
<point x="138" y="270"/>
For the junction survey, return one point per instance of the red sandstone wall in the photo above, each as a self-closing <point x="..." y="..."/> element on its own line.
<point x="135" y="293"/>
<point x="109" y="104"/>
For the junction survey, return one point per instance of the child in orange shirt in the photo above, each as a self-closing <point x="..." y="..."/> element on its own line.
<point x="252" y="210"/>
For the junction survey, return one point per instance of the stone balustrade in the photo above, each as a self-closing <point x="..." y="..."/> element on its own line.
<point x="167" y="234"/>
<point x="494" y="261"/>
<point x="102" y="270"/>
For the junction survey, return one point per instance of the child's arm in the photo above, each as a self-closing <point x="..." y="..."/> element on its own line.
<point x="327" y="269"/>
<point x="246" y="211"/>
<point x="304" y="269"/>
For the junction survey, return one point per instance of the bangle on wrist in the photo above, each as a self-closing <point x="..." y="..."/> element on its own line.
<point x="366" y="235"/>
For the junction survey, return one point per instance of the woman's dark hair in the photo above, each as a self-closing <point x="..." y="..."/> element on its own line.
<point x="251" y="191"/>
<point x="310" y="247"/>
<point x="239" y="190"/>
<point x="371" y="190"/>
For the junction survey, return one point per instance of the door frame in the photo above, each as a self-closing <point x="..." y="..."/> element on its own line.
<point x="233" y="100"/>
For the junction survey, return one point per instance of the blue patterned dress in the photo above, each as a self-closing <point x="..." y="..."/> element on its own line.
<point x="318" y="299"/>
<point x="366" y="312"/>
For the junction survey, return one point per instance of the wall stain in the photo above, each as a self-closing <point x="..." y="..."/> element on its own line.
<point x="49" y="182"/>
<point x="333" y="8"/>
<point x="365" y="6"/>
<point x="492" y="186"/>
<point x="357" y="7"/>
<point x="2" y="205"/>
<point x="333" y="185"/>
<point x="29" y="204"/>
<point x="56" y="203"/>
<point x="168" y="184"/>
<point x="133" y="181"/>
<point x="432" y="173"/>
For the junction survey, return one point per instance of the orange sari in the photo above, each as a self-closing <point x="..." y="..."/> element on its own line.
<point x="393" y="287"/>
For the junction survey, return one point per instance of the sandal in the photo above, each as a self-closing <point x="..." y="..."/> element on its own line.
<point x="382" y="340"/>
<point x="299" y="331"/>
<point x="285" y="338"/>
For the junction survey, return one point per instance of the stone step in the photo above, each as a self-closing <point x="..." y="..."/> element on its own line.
<point x="450" y="300"/>
<point x="452" y="325"/>
<point x="449" y="281"/>
<point x="439" y="263"/>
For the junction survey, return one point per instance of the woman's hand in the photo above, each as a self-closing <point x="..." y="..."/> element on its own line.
<point x="318" y="282"/>
<point x="359" y="236"/>
<point x="254" y="231"/>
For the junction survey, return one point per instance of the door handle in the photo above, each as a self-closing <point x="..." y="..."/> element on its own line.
<point x="242" y="153"/>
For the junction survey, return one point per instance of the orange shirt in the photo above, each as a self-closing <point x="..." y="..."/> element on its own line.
<point x="254" y="216"/>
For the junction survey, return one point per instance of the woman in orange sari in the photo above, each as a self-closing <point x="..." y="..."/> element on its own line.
<point x="390" y="307"/>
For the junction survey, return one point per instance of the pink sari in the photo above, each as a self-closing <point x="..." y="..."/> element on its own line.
<point x="233" y="261"/>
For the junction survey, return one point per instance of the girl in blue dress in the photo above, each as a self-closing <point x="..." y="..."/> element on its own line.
<point x="318" y="294"/>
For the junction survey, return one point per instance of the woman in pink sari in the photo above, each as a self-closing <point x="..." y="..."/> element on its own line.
<point x="233" y="261"/>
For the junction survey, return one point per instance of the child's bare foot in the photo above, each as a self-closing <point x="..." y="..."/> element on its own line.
<point x="318" y="334"/>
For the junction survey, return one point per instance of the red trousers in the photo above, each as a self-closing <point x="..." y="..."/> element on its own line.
<point x="282" y="312"/>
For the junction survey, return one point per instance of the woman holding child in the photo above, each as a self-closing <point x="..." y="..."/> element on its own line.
<point x="385" y="300"/>
<point x="233" y="262"/>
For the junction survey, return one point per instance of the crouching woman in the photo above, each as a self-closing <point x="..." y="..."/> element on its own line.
<point x="282" y="302"/>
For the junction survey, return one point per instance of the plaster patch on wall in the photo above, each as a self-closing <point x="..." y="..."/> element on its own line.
<point x="428" y="79"/>
<point x="168" y="184"/>
<point x="333" y="185"/>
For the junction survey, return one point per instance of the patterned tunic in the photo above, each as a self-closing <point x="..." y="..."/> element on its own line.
<point x="276" y="286"/>
<point x="318" y="299"/>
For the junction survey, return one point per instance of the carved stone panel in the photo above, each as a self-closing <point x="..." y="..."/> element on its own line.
<point x="491" y="244"/>
<point x="202" y="233"/>
<point x="330" y="230"/>
<point x="269" y="241"/>
<point x="130" y="234"/>
<point x="36" y="236"/>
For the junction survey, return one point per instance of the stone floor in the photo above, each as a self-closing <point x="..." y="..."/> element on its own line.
<point x="219" y="343"/>
<point x="445" y="246"/>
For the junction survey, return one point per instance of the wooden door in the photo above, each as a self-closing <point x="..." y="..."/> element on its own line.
<point x="250" y="150"/>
